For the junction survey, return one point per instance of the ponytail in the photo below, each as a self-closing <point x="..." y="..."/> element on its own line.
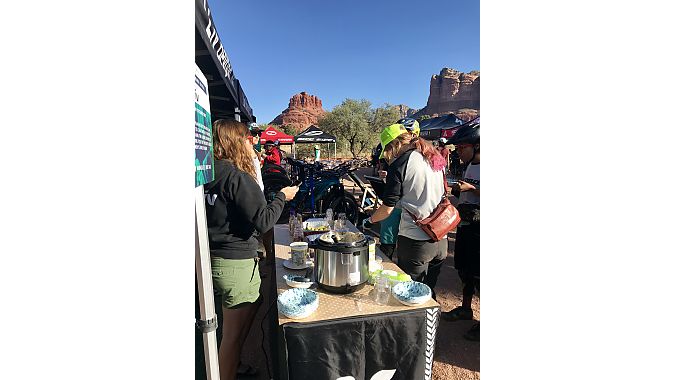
<point x="431" y="154"/>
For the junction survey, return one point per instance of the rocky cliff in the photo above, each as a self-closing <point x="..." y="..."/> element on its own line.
<point x="405" y="111"/>
<point x="304" y="110"/>
<point x="451" y="91"/>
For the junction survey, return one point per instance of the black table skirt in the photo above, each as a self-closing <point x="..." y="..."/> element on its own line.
<point x="360" y="347"/>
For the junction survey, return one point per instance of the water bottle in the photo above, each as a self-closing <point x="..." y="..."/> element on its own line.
<point x="329" y="218"/>
<point x="372" y="248"/>
<point x="292" y="221"/>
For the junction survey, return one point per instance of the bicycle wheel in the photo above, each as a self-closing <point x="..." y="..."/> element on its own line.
<point x="347" y="204"/>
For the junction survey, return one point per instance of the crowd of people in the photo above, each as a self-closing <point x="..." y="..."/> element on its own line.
<point x="240" y="218"/>
<point x="415" y="172"/>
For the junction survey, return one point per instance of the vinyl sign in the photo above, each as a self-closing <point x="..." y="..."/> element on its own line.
<point x="204" y="149"/>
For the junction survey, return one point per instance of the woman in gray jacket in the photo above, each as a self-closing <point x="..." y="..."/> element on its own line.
<point x="415" y="180"/>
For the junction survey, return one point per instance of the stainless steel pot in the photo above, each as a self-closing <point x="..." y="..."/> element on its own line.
<point x="341" y="266"/>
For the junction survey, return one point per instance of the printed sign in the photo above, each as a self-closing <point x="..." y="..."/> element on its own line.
<point x="204" y="150"/>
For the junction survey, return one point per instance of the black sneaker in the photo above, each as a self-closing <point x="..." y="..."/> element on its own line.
<point x="459" y="313"/>
<point x="473" y="333"/>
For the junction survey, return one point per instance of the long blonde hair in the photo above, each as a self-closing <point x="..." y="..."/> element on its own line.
<point x="230" y="143"/>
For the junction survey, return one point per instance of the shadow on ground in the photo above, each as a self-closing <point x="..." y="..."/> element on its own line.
<point x="454" y="356"/>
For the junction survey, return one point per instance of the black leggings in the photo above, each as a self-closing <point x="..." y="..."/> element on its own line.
<point x="467" y="258"/>
<point x="422" y="259"/>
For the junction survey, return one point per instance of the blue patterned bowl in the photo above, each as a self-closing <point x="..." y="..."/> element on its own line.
<point x="412" y="293"/>
<point x="298" y="303"/>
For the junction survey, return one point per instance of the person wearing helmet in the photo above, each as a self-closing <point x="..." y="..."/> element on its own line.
<point x="466" y="141"/>
<point x="445" y="153"/>
<point x="415" y="184"/>
<point x="411" y="125"/>
<point x="389" y="228"/>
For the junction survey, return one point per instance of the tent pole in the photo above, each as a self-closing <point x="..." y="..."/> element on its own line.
<point x="205" y="289"/>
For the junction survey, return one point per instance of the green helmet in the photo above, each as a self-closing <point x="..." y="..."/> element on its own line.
<point x="389" y="134"/>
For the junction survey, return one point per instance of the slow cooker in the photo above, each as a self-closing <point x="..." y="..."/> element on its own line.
<point x="341" y="261"/>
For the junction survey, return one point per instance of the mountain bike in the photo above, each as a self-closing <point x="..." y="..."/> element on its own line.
<point x="322" y="188"/>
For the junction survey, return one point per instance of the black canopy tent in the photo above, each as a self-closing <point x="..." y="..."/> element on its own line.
<point x="314" y="135"/>
<point x="226" y="97"/>
<point x="433" y="129"/>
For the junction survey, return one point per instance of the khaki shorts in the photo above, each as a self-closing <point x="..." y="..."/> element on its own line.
<point x="237" y="282"/>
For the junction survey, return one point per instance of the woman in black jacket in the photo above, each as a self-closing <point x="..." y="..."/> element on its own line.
<point x="235" y="208"/>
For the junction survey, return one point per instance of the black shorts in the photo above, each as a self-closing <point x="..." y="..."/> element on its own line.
<point x="467" y="250"/>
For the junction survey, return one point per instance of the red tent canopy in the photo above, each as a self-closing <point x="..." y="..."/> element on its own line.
<point x="271" y="134"/>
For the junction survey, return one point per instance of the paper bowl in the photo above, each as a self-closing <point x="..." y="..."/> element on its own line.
<point x="411" y="293"/>
<point x="296" y="284"/>
<point x="298" y="303"/>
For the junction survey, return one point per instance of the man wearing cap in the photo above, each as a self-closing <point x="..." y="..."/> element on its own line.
<point x="272" y="155"/>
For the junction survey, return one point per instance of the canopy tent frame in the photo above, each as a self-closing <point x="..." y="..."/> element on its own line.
<point x="226" y="100"/>
<point x="314" y="135"/>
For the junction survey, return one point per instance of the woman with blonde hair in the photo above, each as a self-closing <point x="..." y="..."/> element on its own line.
<point x="415" y="182"/>
<point x="235" y="208"/>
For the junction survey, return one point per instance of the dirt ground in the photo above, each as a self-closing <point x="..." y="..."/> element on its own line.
<point x="454" y="357"/>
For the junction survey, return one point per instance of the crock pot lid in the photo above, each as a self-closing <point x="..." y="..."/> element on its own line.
<point x="345" y="239"/>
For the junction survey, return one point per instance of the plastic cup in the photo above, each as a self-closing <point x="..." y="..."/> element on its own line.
<point x="382" y="286"/>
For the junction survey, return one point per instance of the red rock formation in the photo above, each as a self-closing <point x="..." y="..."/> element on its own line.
<point x="405" y="111"/>
<point x="466" y="114"/>
<point x="304" y="110"/>
<point x="451" y="91"/>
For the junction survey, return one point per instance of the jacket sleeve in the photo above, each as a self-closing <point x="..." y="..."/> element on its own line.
<point x="251" y="205"/>
<point x="393" y="186"/>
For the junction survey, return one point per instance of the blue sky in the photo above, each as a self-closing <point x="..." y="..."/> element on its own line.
<point x="382" y="51"/>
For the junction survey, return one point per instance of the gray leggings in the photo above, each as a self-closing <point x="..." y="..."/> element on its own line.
<point x="421" y="259"/>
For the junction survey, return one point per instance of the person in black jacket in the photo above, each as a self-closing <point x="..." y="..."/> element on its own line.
<point x="235" y="208"/>
<point x="467" y="242"/>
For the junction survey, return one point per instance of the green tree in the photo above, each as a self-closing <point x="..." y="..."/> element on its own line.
<point x="354" y="122"/>
<point x="349" y="122"/>
<point x="288" y="129"/>
<point x="382" y="117"/>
